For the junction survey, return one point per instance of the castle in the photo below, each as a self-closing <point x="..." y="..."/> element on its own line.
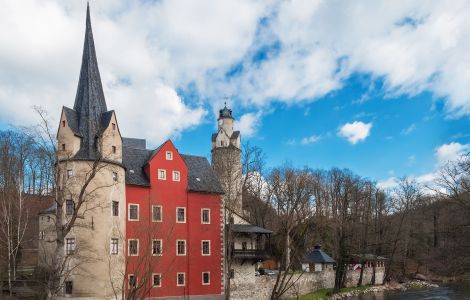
<point x="144" y="223"/>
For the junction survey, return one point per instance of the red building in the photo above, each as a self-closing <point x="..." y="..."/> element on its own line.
<point x="174" y="231"/>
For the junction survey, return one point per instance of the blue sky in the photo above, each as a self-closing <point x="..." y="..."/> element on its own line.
<point x="379" y="87"/>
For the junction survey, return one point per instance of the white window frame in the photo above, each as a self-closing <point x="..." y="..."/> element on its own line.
<point x="111" y="246"/>
<point x="164" y="174"/>
<point x="161" y="213"/>
<point x="169" y="155"/>
<point x="209" y="276"/>
<point x="185" y="250"/>
<point x="69" y="173"/>
<point x="177" y="221"/>
<point x="67" y="250"/>
<point x="129" y="212"/>
<point x="176" y="175"/>
<point x="153" y="276"/>
<point x="161" y="247"/>
<point x="202" y="248"/>
<point x="129" y="281"/>
<point x="184" y="279"/>
<point x="129" y="247"/>
<point x="208" y="215"/>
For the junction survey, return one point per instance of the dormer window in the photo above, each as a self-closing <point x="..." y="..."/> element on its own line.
<point x="114" y="149"/>
<point x="63" y="123"/>
<point x="63" y="147"/>
<point x="169" y="155"/>
<point x="113" y="126"/>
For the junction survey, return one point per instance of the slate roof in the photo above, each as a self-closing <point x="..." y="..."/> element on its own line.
<point x="91" y="115"/>
<point x="235" y="135"/>
<point x="134" y="161"/>
<point x="225" y="113"/>
<point x="316" y="255"/>
<point x="201" y="176"/>
<point x="248" y="228"/>
<point x="134" y="143"/>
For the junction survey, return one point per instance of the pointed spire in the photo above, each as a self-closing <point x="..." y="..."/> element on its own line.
<point x="89" y="101"/>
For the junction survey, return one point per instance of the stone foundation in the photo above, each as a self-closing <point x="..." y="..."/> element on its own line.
<point x="308" y="282"/>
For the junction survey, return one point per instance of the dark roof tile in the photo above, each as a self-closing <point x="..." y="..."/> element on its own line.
<point x="201" y="176"/>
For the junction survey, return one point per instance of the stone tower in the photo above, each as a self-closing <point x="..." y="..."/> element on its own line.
<point x="226" y="159"/>
<point x="89" y="141"/>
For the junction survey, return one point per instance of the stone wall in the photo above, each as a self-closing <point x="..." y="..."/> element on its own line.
<point x="308" y="282"/>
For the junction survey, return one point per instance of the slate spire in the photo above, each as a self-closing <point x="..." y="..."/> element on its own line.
<point x="89" y="101"/>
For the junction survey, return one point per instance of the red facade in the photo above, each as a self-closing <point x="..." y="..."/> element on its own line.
<point x="158" y="231"/>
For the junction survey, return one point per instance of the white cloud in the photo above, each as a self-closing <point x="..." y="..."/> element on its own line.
<point x="309" y="48"/>
<point x="248" y="124"/>
<point x="388" y="183"/>
<point x="450" y="152"/>
<point x="355" y="132"/>
<point x="310" y="139"/>
<point x="409" y="129"/>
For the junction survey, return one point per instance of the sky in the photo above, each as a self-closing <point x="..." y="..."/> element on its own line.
<point x="379" y="87"/>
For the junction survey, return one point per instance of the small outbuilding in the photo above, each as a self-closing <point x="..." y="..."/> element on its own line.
<point x="367" y="260"/>
<point x="316" y="260"/>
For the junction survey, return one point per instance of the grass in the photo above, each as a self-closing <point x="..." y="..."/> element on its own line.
<point x="324" y="293"/>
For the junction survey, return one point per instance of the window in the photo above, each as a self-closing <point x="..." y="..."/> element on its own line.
<point x="169" y="155"/>
<point x="243" y="245"/>
<point x="133" y="212"/>
<point x="205" y="216"/>
<point x="206" y="280"/>
<point x="115" y="176"/>
<point x="157" y="213"/>
<point x="180" y="215"/>
<point x="113" y="126"/>
<point x="115" y="208"/>
<point x="63" y="123"/>
<point x="206" y="248"/>
<point x="41" y="235"/>
<point x="157" y="280"/>
<point x="63" y="147"/>
<point x="132" y="281"/>
<point x="176" y="175"/>
<point x="180" y="279"/>
<point x="68" y="287"/>
<point x="69" y="207"/>
<point x="181" y="247"/>
<point x="232" y="273"/>
<point x="69" y="173"/>
<point x="114" y="246"/>
<point x="133" y="247"/>
<point x="161" y="174"/>
<point x="157" y="248"/>
<point x="114" y="149"/>
<point x="70" y="246"/>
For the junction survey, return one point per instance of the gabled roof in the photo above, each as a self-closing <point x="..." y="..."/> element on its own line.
<point x="134" y="160"/>
<point x="248" y="228"/>
<point x="90" y="105"/>
<point x="72" y="120"/>
<point x="316" y="255"/>
<point x="201" y="176"/>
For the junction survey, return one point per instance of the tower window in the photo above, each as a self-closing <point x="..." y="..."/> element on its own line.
<point x="69" y="173"/>
<point x="63" y="123"/>
<point x="68" y="287"/>
<point x="115" y="176"/>
<point x="69" y="207"/>
<point x="63" y="147"/>
<point x="115" y="208"/>
<point x="114" y="246"/>
<point x="114" y="149"/>
<point x="70" y="246"/>
<point x="113" y="126"/>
